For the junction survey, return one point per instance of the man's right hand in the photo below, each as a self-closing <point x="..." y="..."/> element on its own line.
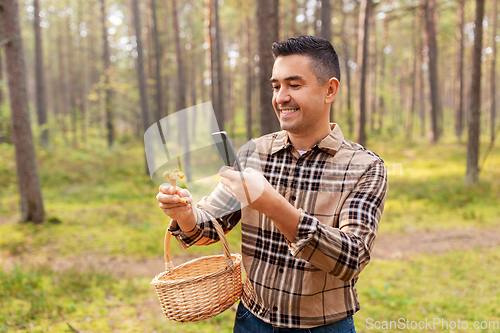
<point x="169" y="201"/>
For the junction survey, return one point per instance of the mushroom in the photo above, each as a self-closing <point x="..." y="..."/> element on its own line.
<point x="172" y="177"/>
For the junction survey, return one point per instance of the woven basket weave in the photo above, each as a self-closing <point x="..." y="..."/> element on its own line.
<point x="201" y="288"/>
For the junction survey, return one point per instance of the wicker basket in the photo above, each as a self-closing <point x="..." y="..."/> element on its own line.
<point x="201" y="288"/>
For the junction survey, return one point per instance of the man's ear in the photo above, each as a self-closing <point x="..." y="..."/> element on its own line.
<point x="332" y="88"/>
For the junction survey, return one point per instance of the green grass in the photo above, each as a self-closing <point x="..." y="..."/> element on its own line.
<point x="459" y="285"/>
<point x="427" y="189"/>
<point x="39" y="300"/>
<point x="101" y="203"/>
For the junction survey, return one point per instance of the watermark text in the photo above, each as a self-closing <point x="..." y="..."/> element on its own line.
<point x="431" y="324"/>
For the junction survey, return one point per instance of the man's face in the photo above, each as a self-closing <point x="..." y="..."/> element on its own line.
<point x="298" y="99"/>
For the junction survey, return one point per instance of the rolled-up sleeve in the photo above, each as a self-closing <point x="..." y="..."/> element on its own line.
<point x="345" y="251"/>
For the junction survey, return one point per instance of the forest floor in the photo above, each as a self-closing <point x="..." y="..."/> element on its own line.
<point x="401" y="246"/>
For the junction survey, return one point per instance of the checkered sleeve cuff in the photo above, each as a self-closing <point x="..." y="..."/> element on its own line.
<point x="306" y="229"/>
<point x="186" y="238"/>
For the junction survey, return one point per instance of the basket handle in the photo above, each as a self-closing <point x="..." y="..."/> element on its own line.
<point x="225" y="246"/>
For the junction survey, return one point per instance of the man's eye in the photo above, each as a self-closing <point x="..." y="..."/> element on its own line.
<point x="294" y="85"/>
<point x="276" y="88"/>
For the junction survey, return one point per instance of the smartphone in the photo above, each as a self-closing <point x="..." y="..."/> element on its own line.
<point x="226" y="150"/>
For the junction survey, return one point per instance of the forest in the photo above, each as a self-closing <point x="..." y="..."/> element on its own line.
<point x="82" y="81"/>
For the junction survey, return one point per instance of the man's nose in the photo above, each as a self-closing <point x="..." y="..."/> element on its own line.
<point x="282" y="96"/>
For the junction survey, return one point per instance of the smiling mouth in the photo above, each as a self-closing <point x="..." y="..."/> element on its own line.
<point x="285" y="112"/>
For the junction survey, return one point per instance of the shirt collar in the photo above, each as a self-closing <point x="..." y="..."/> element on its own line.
<point x="330" y="144"/>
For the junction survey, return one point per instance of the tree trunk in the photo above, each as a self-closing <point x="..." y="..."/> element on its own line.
<point x="83" y="75"/>
<point x="293" y="21"/>
<point x="148" y="51"/>
<point x="209" y="54"/>
<point x="41" y="102"/>
<point x="326" y="20"/>
<point x="249" y="75"/>
<point x="31" y="200"/>
<point x="1" y="75"/>
<point x="305" y="24"/>
<point x="326" y="29"/>
<point x="493" y="74"/>
<point x="364" y="20"/>
<point x="281" y="21"/>
<point x="398" y="113"/>
<point x="232" y="103"/>
<point x="158" y="57"/>
<point x="141" y="77"/>
<point x="107" y="88"/>
<point x="345" y="44"/>
<point x="409" y="124"/>
<point x="181" y="93"/>
<point x="459" y="118"/>
<point x="167" y="93"/>
<point x="421" y="91"/>
<point x="267" y="22"/>
<point x="472" y="174"/>
<point x="3" y="127"/>
<point x="71" y="77"/>
<point x="382" y="84"/>
<point x="373" y="84"/>
<point x="421" y="79"/>
<point x="61" y="83"/>
<point x="192" y="73"/>
<point x="219" y="77"/>
<point x="316" y="24"/>
<point x="93" y="34"/>
<point x="429" y="7"/>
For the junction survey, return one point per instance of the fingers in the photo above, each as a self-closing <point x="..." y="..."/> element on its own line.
<point x="171" y="208"/>
<point x="173" y="198"/>
<point x="229" y="173"/>
<point x="228" y="186"/>
<point x="167" y="189"/>
<point x="182" y="192"/>
<point x="175" y="202"/>
<point x="172" y="190"/>
<point x="226" y="182"/>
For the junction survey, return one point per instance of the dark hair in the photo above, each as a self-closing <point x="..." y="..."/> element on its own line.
<point x="324" y="59"/>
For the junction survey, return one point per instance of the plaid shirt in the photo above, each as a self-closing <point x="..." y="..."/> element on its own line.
<point x="340" y="189"/>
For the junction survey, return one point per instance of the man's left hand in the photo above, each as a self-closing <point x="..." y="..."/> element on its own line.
<point x="249" y="187"/>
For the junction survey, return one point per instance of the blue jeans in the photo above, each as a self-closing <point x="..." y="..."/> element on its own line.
<point x="246" y="322"/>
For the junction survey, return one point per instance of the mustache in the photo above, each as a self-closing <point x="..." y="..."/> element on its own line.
<point x="291" y="105"/>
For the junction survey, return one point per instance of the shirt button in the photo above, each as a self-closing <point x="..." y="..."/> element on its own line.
<point x="275" y="308"/>
<point x="300" y="163"/>
<point x="293" y="198"/>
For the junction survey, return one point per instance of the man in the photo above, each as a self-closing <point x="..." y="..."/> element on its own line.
<point x="309" y="234"/>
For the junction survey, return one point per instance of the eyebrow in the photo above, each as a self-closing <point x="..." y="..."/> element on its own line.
<point x="290" y="78"/>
